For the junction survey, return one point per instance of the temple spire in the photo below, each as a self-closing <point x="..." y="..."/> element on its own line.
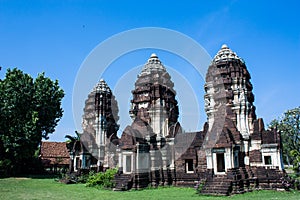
<point x="226" y="54"/>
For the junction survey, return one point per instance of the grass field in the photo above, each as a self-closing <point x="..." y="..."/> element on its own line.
<point x="29" y="188"/>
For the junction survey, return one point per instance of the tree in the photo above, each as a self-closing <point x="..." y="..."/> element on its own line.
<point x="289" y="126"/>
<point x="73" y="142"/>
<point x="73" y="145"/>
<point x="30" y="111"/>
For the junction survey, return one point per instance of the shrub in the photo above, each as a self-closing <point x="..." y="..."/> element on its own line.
<point x="67" y="178"/>
<point x="5" y="166"/>
<point x="294" y="179"/>
<point x="102" y="179"/>
<point x="287" y="183"/>
<point x="200" y="185"/>
<point x="83" y="178"/>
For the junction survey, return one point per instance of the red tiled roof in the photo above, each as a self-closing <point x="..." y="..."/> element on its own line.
<point x="54" y="153"/>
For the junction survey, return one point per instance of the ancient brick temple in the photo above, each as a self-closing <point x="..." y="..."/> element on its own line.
<point x="232" y="154"/>
<point x="99" y="138"/>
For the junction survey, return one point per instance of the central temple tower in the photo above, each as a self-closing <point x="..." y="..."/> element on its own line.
<point x="154" y="98"/>
<point x="146" y="146"/>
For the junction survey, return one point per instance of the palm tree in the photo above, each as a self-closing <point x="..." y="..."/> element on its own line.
<point x="73" y="145"/>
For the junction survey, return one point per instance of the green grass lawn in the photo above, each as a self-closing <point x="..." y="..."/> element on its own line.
<point x="27" y="188"/>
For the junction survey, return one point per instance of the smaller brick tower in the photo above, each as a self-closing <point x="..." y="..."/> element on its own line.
<point x="100" y="125"/>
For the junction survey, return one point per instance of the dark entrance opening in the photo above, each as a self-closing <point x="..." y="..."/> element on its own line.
<point x="220" y="162"/>
<point x="189" y="166"/>
<point x="268" y="160"/>
<point x="128" y="163"/>
<point x="236" y="159"/>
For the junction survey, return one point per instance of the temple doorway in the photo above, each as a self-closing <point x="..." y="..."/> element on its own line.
<point x="128" y="164"/>
<point x="220" y="162"/>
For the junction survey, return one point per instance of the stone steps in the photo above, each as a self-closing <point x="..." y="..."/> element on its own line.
<point x="217" y="185"/>
<point x="269" y="178"/>
<point x="236" y="180"/>
<point x="187" y="180"/>
<point x="123" y="182"/>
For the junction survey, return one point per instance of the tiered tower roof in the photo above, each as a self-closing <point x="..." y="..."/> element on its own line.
<point x="226" y="54"/>
<point x="153" y="73"/>
<point x="102" y="87"/>
<point x="153" y="64"/>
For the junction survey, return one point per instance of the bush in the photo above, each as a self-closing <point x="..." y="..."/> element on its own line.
<point x="287" y="182"/>
<point x="102" y="179"/>
<point x="83" y="178"/>
<point x="291" y="181"/>
<point x="69" y="178"/>
<point x="5" y="166"/>
<point x="199" y="187"/>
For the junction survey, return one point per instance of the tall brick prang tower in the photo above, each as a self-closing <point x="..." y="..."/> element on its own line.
<point x="155" y="95"/>
<point x="100" y="126"/>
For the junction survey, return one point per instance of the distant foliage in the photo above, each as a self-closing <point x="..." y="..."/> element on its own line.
<point x="296" y="156"/>
<point x="102" y="179"/>
<point x="289" y="126"/>
<point x="30" y="111"/>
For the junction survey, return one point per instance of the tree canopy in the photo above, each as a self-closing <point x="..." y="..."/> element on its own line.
<point x="30" y="110"/>
<point x="289" y="126"/>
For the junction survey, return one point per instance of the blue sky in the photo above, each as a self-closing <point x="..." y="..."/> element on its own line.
<point x="55" y="37"/>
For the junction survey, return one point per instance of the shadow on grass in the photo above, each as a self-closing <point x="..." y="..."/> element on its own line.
<point x="34" y="176"/>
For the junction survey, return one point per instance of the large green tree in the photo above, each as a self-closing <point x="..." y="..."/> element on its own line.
<point x="30" y="111"/>
<point x="289" y="126"/>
